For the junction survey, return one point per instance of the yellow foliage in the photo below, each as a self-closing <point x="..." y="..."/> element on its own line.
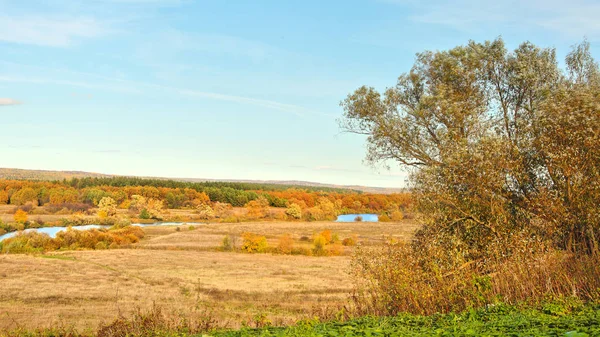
<point x="20" y="216"/>
<point x="384" y="218"/>
<point x="319" y="243"/>
<point x="397" y="216"/>
<point x="3" y="197"/>
<point x="253" y="243"/>
<point x="327" y="235"/>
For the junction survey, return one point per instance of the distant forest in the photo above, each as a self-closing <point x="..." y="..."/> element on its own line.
<point x="179" y="194"/>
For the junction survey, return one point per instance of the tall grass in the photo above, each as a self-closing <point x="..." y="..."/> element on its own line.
<point x="391" y="279"/>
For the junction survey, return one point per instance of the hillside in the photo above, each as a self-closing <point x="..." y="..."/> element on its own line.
<point x="14" y="173"/>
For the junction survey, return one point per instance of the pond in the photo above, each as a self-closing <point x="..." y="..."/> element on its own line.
<point x="52" y="231"/>
<point x="352" y="217"/>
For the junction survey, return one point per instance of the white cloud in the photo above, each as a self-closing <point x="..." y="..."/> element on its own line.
<point x="44" y="31"/>
<point x="8" y="101"/>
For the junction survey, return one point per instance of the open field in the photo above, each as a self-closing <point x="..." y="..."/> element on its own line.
<point x="182" y="270"/>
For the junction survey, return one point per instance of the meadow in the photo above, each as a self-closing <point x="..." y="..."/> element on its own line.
<point x="183" y="270"/>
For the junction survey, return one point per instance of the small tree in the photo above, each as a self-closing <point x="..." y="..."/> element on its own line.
<point x="205" y="212"/>
<point x="294" y="211"/>
<point x="254" y="243"/>
<point x="20" y="216"/>
<point x="319" y="245"/>
<point x="107" y="207"/>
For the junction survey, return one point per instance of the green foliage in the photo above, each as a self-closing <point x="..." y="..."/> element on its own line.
<point x="499" y="320"/>
<point x="144" y="214"/>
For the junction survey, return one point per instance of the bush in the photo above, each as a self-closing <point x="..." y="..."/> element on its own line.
<point x="392" y="279"/>
<point x="294" y="211"/>
<point x="335" y="249"/>
<point x="351" y="241"/>
<point x="286" y="244"/>
<point x="254" y="243"/>
<point x="358" y="218"/>
<point x="327" y="235"/>
<point x="384" y="218"/>
<point x="227" y="244"/>
<point x="144" y="214"/>
<point x="397" y="216"/>
<point x="20" y="216"/>
<point x="72" y="239"/>
<point x="319" y="243"/>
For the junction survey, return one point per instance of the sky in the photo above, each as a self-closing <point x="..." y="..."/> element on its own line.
<point x="231" y="89"/>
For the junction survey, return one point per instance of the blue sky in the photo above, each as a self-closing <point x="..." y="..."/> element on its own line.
<point x="230" y="89"/>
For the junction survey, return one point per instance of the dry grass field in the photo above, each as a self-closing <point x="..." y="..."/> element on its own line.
<point x="183" y="273"/>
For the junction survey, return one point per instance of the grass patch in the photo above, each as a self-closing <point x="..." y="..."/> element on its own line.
<point x="499" y="320"/>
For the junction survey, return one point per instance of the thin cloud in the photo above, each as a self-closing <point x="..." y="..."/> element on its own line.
<point x="8" y="101"/>
<point x="49" y="32"/>
<point x="576" y="18"/>
<point x="135" y="87"/>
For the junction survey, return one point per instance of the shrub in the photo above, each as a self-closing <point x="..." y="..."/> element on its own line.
<point x="397" y="216"/>
<point x="254" y="243"/>
<point x="227" y="244"/>
<point x="351" y="241"/>
<point x="327" y="235"/>
<point x="319" y="243"/>
<point x="335" y="249"/>
<point x="286" y="244"/>
<point x="384" y="218"/>
<point x="392" y="279"/>
<point x="144" y="214"/>
<point x="205" y="212"/>
<point x="73" y="239"/>
<point x="294" y="211"/>
<point x="358" y="218"/>
<point x="107" y="207"/>
<point x="20" y="216"/>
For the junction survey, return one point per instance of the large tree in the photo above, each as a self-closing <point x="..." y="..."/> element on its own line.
<point x="502" y="147"/>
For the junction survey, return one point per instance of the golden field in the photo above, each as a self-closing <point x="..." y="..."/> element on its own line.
<point x="183" y="272"/>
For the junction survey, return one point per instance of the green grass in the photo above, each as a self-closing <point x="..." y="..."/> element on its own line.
<point x="501" y="320"/>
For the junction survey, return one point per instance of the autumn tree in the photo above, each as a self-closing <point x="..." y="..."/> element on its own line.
<point x="107" y="207"/>
<point x="20" y="216"/>
<point x="502" y="147"/>
<point x="205" y="211"/>
<point x="258" y="208"/>
<point x="294" y="211"/>
<point x="23" y="196"/>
